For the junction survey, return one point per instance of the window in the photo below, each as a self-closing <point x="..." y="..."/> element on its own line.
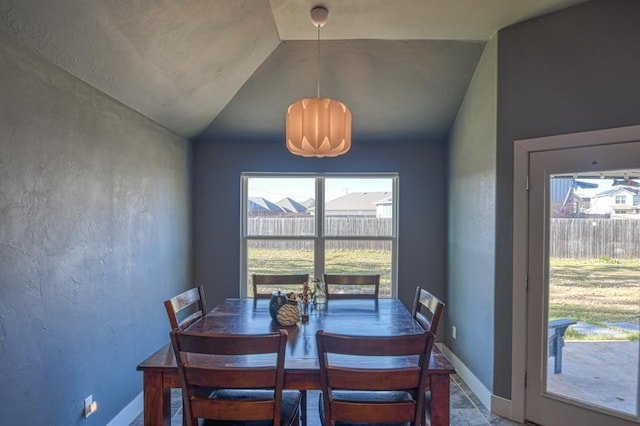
<point x="621" y="199"/>
<point x="316" y="224"/>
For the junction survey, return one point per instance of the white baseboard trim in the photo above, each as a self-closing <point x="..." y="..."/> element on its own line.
<point x="483" y="394"/>
<point x="495" y="404"/>
<point x="128" y="413"/>
<point x="501" y="407"/>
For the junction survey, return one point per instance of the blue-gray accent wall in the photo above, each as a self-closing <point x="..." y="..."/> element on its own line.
<point x="217" y="169"/>
<point x="471" y="224"/>
<point x="96" y="208"/>
<point x="571" y="71"/>
<point x="94" y="235"/>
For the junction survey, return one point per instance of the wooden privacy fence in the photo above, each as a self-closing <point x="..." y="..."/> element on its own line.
<point x="335" y="226"/>
<point x="595" y="238"/>
<point x="572" y="238"/>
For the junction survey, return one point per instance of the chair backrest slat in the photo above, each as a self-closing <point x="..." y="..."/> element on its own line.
<point x="377" y="414"/>
<point x="186" y="308"/>
<point x="224" y="363"/>
<point x="272" y="283"/>
<point x="352" y="286"/>
<point x="427" y="310"/>
<point x="399" y="365"/>
<point x="231" y="377"/>
<point x="231" y="409"/>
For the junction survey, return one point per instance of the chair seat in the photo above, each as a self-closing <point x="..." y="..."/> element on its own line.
<point x="355" y="396"/>
<point x="290" y="406"/>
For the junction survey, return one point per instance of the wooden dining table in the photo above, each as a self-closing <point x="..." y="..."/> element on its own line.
<point x="381" y="317"/>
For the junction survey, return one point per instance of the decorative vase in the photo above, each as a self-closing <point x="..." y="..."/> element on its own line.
<point x="320" y="293"/>
<point x="288" y="314"/>
<point x="278" y="299"/>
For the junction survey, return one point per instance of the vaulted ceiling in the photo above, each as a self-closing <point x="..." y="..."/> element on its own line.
<point x="226" y="70"/>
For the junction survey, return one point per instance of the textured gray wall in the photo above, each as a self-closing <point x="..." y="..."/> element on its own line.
<point x="572" y="71"/>
<point x="217" y="169"/>
<point x="471" y="219"/>
<point x="94" y="235"/>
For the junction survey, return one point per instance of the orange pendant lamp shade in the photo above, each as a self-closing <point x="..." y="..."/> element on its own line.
<point x="318" y="128"/>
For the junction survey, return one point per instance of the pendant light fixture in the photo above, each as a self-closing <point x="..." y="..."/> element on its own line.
<point x="318" y="127"/>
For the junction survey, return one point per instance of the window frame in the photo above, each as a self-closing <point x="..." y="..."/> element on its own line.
<point x="319" y="238"/>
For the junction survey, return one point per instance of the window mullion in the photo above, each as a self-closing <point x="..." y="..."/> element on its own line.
<point x="318" y="267"/>
<point x="346" y="235"/>
<point x="244" y="252"/>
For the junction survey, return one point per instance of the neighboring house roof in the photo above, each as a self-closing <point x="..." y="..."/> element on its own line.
<point x="308" y="203"/>
<point x="356" y="201"/>
<point x="617" y="190"/>
<point x="385" y="201"/>
<point x="259" y="204"/>
<point x="291" y="205"/>
<point x="625" y="182"/>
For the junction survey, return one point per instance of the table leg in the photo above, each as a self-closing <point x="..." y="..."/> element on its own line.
<point x="157" y="400"/>
<point x="440" y="387"/>
<point x="303" y="408"/>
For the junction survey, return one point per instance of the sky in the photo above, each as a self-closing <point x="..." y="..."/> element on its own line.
<point x="301" y="189"/>
<point x="603" y="185"/>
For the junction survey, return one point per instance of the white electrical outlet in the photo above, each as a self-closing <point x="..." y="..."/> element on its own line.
<point x="453" y="332"/>
<point x="90" y="406"/>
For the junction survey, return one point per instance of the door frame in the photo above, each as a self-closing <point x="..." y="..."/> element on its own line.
<point x="521" y="151"/>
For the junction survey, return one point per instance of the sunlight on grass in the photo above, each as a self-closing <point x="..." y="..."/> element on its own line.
<point x="572" y="334"/>
<point x="282" y="261"/>
<point x="595" y="291"/>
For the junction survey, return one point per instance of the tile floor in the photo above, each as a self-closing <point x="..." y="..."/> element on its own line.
<point x="466" y="409"/>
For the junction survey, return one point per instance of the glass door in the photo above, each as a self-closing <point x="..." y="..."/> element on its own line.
<point x="584" y="286"/>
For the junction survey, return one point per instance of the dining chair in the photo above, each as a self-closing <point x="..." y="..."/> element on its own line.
<point x="427" y="310"/>
<point x="187" y="307"/>
<point x="286" y="283"/>
<point x="224" y="383"/>
<point x="352" y="286"/>
<point x="277" y="282"/>
<point x="372" y="379"/>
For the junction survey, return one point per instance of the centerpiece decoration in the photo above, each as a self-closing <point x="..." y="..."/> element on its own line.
<point x="289" y="313"/>
<point x="288" y="309"/>
<point x="278" y="299"/>
<point x="305" y="302"/>
<point x="319" y="293"/>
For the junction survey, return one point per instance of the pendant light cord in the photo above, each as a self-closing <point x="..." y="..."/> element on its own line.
<point x="318" y="64"/>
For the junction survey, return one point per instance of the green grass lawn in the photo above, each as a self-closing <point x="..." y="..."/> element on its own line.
<point x="596" y="291"/>
<point x="270" y="261"/>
